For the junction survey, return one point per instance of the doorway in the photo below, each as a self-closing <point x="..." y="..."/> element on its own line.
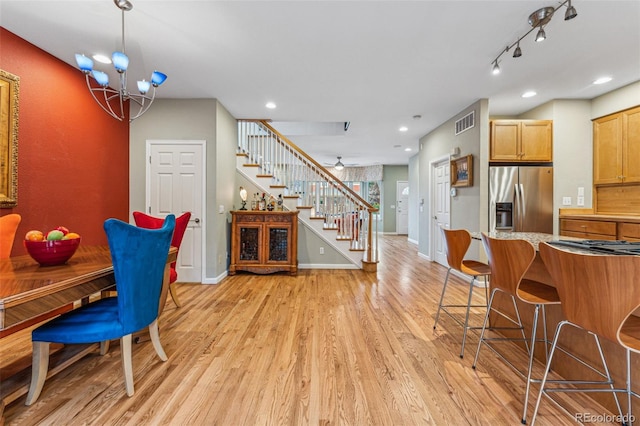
<point x="440" y="207"/>
<point x="402" y="207"/>
<point x="175" y="184"/>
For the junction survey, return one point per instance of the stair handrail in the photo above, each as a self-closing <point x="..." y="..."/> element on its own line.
<point x="371" y="247"/>
<point x="368" y="206"/>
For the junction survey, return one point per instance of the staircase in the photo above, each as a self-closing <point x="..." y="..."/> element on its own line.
<point x="327" y="206"/>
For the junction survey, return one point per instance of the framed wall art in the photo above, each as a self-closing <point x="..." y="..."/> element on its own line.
<point x="9" y="92"/>
<point x="462" y="171"/>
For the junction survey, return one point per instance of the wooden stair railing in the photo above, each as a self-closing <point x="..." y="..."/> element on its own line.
<point x="300" y="176"/>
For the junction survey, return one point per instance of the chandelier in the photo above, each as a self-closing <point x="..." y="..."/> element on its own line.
<point x="112" y="101"/>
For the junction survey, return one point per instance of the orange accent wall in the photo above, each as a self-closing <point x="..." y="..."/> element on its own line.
<point x="73" y="158"/>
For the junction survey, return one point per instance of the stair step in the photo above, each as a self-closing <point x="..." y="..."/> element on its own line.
<point x="264" y="176"/>
<point x="356" y="249"/>
<point x="317" y="218"/>
<point x="303" y="207"/>
<point x="242" y="154"/>
<point x="291" y="196"/>
<point x="277" y="186"/>
<point x="251" y="165"/>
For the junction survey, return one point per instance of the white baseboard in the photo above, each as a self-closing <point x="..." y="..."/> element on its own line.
<point x="327" y="266"/>
<point x="412" y="241"/>
<point x="215" y="280"/>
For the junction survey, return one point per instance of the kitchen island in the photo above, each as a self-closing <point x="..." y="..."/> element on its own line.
<point x="575" y="341"/>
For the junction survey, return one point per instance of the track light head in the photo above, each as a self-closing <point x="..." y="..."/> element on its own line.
<point x="496" y="69"/>
<point x="518" y="52"/>
<point x="570" y="13"/>
<point x="541" y="36"/>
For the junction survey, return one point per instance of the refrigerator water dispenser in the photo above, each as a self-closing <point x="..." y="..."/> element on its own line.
<point x="504" y="216"/>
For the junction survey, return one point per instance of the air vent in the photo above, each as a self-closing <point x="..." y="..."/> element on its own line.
<point x="466" y="122"/>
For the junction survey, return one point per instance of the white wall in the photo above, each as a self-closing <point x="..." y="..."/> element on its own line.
<point x="193" y="119"/>
<point x="617" y="100"/>
<point x="466" y="208"/>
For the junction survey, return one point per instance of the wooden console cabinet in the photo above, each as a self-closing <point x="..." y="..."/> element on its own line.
<point x="521" y="141"/>
<point x="264" y="242"/>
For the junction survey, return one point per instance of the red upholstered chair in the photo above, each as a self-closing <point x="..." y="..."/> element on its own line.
<point x="150" y="222"/>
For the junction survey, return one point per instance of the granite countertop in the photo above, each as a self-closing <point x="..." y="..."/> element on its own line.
<point x="534" y="238"/>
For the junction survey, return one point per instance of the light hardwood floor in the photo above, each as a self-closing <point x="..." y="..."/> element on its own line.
<point x="328" y="347"/>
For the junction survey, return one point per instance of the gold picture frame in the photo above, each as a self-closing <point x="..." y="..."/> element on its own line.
<point x="462" y="171"/>
<point x="9" y="92"/>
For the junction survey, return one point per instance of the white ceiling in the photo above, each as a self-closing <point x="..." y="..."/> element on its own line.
<point x="375" y="64"/>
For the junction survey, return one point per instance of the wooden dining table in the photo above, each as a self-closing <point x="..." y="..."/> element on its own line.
<point x="30" y="293"/>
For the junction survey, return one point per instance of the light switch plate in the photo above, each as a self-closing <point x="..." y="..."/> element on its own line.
<point x="566" y="201"/>
<point x="580" y="201"/>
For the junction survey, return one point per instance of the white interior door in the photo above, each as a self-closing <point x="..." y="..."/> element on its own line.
<point x="175" y="185"/>
<point x="441" y="203"/>
<point x="402" y="208"/>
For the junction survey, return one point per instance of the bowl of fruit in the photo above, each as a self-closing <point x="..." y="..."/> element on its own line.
<point x="53" y="248"/>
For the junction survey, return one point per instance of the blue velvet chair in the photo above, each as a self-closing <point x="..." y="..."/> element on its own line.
<point x="139" y="258"/>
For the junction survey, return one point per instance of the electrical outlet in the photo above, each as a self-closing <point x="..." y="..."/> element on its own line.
<point x="566" y="201"/>
<point x="321" y="250"/>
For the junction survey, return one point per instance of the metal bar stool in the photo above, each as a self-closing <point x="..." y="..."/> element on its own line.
<point x="598" y="294"/>
<point x="509" y="261"/>
<point x="456" y="244"/>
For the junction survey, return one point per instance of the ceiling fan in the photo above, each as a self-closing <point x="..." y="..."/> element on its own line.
<point x="339" y="165"/>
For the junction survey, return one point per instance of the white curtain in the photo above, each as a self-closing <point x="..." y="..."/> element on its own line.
<point x="358" y="174"/>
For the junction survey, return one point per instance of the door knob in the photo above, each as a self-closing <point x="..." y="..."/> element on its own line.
<point x="196" y="220"/>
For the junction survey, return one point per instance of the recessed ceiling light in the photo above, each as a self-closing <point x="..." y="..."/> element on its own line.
<point x="102" y="58"/>
<point x="602" y="80"/>
<point x="529" y="94"/>
<point x="403" y="129"/>
<point x="407" y="149"/>
<point x="270" y="105"/>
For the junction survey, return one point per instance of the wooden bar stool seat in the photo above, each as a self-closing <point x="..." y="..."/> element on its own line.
<point x="456" y="244"/>
<point x="599" y="294"/>
<point x="509" y="261"/>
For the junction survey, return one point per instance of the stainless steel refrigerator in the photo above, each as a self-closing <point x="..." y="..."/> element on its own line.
<point x="521" y="198"/>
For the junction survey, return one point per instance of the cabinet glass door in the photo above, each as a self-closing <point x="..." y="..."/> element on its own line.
<point x="249" y="243"/>
<point x="278" y="244"/>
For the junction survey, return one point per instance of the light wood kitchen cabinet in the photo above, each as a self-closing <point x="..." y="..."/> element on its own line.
<point x="616" y="148"/>
<point x="264" y="242"/>
<point x="521" y="140"/>
<point x="629" y="231"/>
<point x="589" y="229"/>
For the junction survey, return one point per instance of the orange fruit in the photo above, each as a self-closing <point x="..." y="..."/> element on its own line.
<point x="71" y="236"/>
<point x="34" y="235"/>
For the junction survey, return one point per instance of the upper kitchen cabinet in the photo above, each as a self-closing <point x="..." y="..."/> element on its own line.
<point x="616" y="148"/>
<point x="521" y="141"/>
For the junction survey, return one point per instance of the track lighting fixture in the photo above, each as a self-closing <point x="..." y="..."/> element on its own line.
<point x="537" y="20"/>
